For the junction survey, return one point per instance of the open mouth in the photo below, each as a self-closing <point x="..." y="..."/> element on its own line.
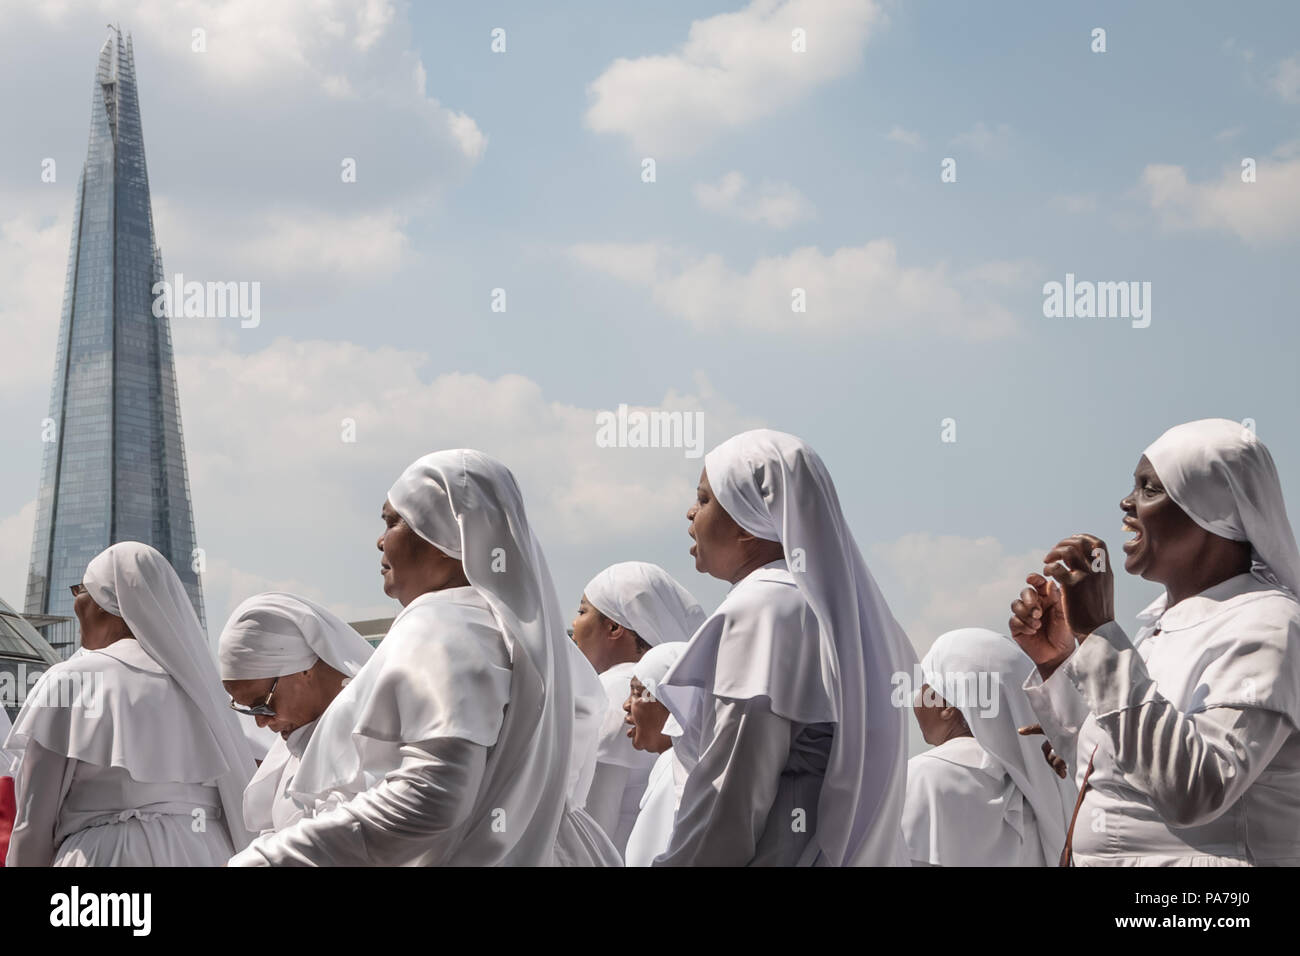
<point x="1134" y="530"/>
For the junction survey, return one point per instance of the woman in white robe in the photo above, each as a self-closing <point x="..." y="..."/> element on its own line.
<point x="131" y="755"/>
<point x="1184" y="739"/>
<point x="630" y="603"/>
<point x="454" y="745"/>
<point x="796" y="752"/>
<point x="652" y="731"/>
<point x="283" y="659"/>
<point x="984" y="795"/>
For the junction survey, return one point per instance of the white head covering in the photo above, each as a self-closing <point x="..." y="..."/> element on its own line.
<point x="777" y="488"/>
<point x="135" y="582"/>
<point x="274" y="634"/>
<point x="469" y="506"/>
<point x="645" y="598"/>
<point x="655" y="664"/>
<point x="994" y="707"/>
<point x="1218" y="472"/>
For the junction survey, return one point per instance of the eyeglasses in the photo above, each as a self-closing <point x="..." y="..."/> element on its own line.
<point x="258" y="710"/>
<point x="77" y="589"/>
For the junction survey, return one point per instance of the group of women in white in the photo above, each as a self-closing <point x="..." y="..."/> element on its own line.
<point x="764" y="733"/>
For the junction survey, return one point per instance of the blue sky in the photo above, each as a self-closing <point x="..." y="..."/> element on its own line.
<point x="522" y="170"/>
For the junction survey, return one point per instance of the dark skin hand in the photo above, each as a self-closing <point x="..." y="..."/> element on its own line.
<point x="1050" y="618"/>
<point x="1168" y="547"/>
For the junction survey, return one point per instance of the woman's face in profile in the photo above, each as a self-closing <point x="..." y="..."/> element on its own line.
<point x="717" y="549"/>
<point x="646" y="718"/>
<point x="1166" y="540"/>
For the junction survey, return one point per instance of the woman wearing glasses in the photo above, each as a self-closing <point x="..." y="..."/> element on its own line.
<point x="131" y="753"/>
<point x="283" y="660"/>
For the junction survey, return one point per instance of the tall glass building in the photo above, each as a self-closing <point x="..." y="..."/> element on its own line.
<point x="114" y="462"/>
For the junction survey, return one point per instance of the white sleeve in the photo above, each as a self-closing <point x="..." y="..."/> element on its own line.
<point x="40" y="786"/>
<point x="729" y="793"/>
<point x="395" y="822"/>
<point x="1192" y="767"/>
<point x="1060" y="709"/>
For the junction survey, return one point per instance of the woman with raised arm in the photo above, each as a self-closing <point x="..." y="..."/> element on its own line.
<point x="131" y="755"/>
<point x="1185" y="738"/>
<point x="797" y="754"/>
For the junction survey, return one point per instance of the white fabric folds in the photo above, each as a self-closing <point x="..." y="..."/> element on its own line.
<point x="1223" y="476"/>
<point x="655" y="664"/>
<point x="138" y="723"/>
<point x="275" y="634"/>
<point x="645" y="598"/>
<point x="982" y="673"/>
<point x="435" y="675"/>
<point x="777" y="488"/>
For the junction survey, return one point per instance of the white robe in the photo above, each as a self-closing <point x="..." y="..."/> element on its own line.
<point x="656" y="811"/>
<point x="963" y="809"/>
<point x="1195" y="732"/>
<point x="128" y="787"/>
<point x="755" y="777"/>
<point x="268" y="803"/>
<point x="622" y="771"/>
<point x="422" y="787"/>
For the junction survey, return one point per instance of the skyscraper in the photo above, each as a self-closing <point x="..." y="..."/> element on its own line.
<point x="114" y="463"/>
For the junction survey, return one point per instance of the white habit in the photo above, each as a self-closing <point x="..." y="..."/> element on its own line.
<point x="1194" y="722"/>
<point x="795" y="750"/>
<point x="131" y="754"/>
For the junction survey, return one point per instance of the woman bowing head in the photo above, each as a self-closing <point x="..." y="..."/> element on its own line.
<point x="797" y="755"/>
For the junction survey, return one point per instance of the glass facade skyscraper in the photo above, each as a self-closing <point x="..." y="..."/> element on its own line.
<point x="114" y="461"/>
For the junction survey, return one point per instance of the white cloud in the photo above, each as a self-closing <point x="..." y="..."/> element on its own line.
<point x="733" y="69"/>
<point x="1267" y="209"/>
<point x="33" y="258"/>
<point x="1076" y="205"/>
<point x="236" y="171"/>
<point x="774" y="204"/>
<point x="16" y="553"/>
<point x="984" y="139"/>
<point x="937" y="583"/>
<point x="906" y="136"/>
<point x="854" y="288"/>
<point x="1286" y="79"/>
<point x="1223" y="135"/>
<point x="282" y="500"/>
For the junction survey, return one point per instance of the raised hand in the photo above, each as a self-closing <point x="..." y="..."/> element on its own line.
<point x="1038" y="625"/>
<point x="1080" y="564"/>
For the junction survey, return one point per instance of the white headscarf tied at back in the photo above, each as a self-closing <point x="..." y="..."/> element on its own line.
<point x="135" y="582"/>
<point x="274" y="634"/>
<point x="982" y="674"/>
<point x="777" y="488"/>
<point x="645" y="598"/>
<point x="655" y="664"/>
<point x="1223" y="476"/>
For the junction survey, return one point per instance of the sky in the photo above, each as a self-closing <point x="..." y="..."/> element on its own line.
<point x="518" y="177"/>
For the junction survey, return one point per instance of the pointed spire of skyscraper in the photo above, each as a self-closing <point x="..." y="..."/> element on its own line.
<point x="115" y="468"/>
